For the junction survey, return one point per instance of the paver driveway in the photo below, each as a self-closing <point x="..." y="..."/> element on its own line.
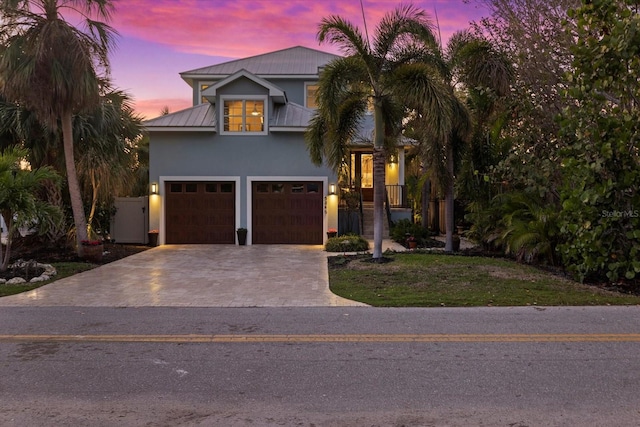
<point x="197" y="276"/>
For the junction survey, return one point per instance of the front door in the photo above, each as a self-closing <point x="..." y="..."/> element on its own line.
<point x="362" y="172"/>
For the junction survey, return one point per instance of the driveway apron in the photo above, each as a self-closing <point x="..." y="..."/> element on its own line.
<point x="197" y="276"/>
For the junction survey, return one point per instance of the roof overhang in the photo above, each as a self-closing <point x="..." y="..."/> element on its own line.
<point x="274" y="91"/>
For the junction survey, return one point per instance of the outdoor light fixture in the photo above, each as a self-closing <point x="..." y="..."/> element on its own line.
<point x="154" y="188"/>
<point x="332" y="189"/>
<point x="393" y="159"/>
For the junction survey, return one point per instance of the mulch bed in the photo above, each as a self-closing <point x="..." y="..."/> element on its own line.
<point x="31" y="249"/>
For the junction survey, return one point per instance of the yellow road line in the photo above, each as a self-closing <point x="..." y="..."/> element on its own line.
<point x="320" y="338"/>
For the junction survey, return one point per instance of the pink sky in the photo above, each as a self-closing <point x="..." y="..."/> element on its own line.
<point x="161" y="38"/>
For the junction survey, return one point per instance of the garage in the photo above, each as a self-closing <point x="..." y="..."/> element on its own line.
<point x="287" y="213"/>
<point x="200" y="212"/>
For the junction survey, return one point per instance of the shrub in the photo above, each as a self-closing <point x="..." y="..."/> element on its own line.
<point x="404" y="228"/>
<point x="347" y="243"/>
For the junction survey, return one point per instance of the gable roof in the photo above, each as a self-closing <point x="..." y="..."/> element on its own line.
<point x="202" y="117"/>
<point x="274" y="91"/>
<point x="293" y="61"/>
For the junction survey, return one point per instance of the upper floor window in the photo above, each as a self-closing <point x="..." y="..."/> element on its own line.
<point x="243" y="115"/>
<point x="202" y="88"/>
<point x="311" y="95"/>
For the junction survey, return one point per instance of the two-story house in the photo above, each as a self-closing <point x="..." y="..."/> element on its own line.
<point x="238" y="158"/>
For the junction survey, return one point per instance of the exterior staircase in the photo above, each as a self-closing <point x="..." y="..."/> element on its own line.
<point x="367" y="222"/>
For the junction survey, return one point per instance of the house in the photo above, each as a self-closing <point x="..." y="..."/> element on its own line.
<point x="238" y="158"/>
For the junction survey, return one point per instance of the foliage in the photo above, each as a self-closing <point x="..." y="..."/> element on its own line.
<point x="347" y="243"/>
<point x="404" y="228"/>
<point x="53" y="69"/>
<point x="19" y="204"/>
<point x="600" y="220"/>
<point x="386" y="73"/>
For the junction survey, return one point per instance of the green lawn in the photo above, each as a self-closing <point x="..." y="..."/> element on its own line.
<point x="434" y="280"/>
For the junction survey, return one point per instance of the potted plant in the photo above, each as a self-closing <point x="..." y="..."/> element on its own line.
<point x="332" y="233"/>
<point x="92" y="250"/>
<point x="242" y="236"/>
<point x="153" y="237"/>
<point x="412" y="242"/>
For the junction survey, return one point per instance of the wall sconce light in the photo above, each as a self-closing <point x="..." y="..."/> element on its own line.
<point x="393" y="159"/>
<point x="332" y="189"/>
<point x="154" y="188"/>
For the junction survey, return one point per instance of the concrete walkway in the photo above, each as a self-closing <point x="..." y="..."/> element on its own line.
<point x="198" y="276"/>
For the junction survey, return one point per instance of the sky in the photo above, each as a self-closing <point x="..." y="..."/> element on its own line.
<point x="158" y="39"/>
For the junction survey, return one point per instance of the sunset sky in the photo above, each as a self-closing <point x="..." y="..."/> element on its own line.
<point x="160" y="38"/>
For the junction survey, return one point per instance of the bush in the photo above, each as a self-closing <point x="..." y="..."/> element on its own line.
<point x="404" y="228"/>
<point x="347" y="243"/>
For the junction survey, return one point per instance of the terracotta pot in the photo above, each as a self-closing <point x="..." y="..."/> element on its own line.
<point x="93" y="253"/>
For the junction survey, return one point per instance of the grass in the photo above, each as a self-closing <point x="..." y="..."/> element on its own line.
<point x="64" y="269"/>
<point x="435" y="280"/>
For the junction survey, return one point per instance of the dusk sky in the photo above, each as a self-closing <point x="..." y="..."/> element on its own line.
<point x="160" y="38"/>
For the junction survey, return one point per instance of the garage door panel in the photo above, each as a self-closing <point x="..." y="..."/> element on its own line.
<point x="200" y="215"/>
<point x="287" y="212"/>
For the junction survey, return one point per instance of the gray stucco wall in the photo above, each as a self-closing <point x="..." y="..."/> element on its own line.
<point x="199" y="154"/>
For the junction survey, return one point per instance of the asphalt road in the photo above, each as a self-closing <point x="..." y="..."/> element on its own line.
<point x="533" y="366"/>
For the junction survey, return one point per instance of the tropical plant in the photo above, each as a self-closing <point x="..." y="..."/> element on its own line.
<point x="105" y="154"/>
<point x="387" y="74"/>
<point x="19" y="204"/>
<point x="52" y="68"/>
<point x="600" y="216"/>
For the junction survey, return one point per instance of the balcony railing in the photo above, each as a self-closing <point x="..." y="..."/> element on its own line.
<point x="397" y="196"/>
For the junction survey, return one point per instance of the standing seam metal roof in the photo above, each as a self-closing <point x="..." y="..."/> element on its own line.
<point x="296" y="60"/>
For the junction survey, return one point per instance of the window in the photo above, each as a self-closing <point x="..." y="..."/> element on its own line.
<point x="311" y="95"/>
<point x="243" y="115"/>
<point x="202" y="98"/>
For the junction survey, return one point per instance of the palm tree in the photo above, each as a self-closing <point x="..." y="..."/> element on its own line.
<point x="396" y="71"/>
<point x="477" y="75"/>
<point x="52" y="68"/>
<point x="105" y="157"/>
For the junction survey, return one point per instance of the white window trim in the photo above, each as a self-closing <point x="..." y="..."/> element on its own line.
<point x="244" y="98"/>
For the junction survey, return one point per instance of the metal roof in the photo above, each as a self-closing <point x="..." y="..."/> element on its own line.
<point x="291" y="115"/>
<point x="284" y="116"/>
<point x="200" y="116"/>
<point x="292" y="61"/>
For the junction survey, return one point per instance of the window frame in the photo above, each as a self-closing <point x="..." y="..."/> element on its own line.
<point x="306" y="94"/>
<point x="247" y="100"/>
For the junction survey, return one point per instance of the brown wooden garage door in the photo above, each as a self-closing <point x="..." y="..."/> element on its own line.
<point x="200" y="212"/>
<point x="287" y="212"/>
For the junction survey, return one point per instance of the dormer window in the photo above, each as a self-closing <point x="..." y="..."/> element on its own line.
<point x="243" y="115"/>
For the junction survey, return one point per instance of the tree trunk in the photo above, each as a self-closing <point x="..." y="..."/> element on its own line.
<point x="448" y="200"/>
<point x="54" y="197"/>
<point x="378" y="178"/>
<point x="378" y="199"/>
<point x="4" y="258"/>
<point x="75" y="195"/>
<point x="94" y="202"/>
